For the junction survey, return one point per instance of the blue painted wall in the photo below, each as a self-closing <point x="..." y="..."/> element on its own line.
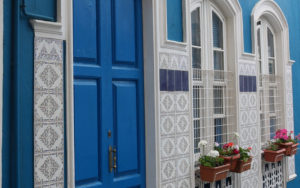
<point x="291" y="11"/>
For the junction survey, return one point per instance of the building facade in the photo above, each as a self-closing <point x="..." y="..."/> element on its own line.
<point x="119" y="93"/>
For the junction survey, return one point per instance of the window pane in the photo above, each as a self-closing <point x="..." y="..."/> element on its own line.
<point x="196" y="39"/>
<point x="174" y="20"/>
<point x="219" y="65"/>
<point x="217" y="31"/>
<point x="270" y="43"/>
<point x="196" y="58"/>
<point x="272" y="100"/>
<point x="198" y="103"/>
<point x="272" y="127"/>
<point x="271" y="66"/>
<point x="218" y="130"/>
<point x="218" y="100"/>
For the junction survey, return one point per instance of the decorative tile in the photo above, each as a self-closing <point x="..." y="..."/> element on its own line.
<point x="184" y="183"/>
<point x="48" y="113"/>
<point x="48" y="137"/>
<point x="164" y="61"/>
<point x="174" y="61"/>
<point x="168" y="170"/>
<point x="48" y="168"/>
<point x="182" y="102"/>
<point x="182" y="145"/>
<point x="183" y="167"/>
<point x="247" y="83"/>
<point x="169" y="185"/>
<point x="182" y="123"/>
<point x="168" y="147"/>
<point x="167" y="102"/>
<point x="167" y="125"/>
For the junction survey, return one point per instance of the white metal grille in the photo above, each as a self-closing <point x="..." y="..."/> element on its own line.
<point x="225" y="183"/>
<point x="272" y="175"/>
<point x="213" y="107"/>
<point x="270" y="106"/>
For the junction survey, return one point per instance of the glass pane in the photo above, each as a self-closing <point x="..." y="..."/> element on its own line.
<point x="218" y="130"/>
<point x="270" y="43"/>
<point x="272" y="100"/>
<point x="196" y="39"/>
<point x="217" y="31"/>
<point x="271" y="66"/>
<point x="174" y="20"/>
<point x="218" y="65"/>
<point x="272" y="127"/>
<point x="196" y="58"/>
<point x="218" y="100"/>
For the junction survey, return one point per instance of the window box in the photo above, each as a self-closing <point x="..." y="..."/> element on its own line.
<point x="290" y="148"/>
<point x="232" y="160"/>
<point x="274" y="156"/>
<point x="243" y="166"/>
<point x="211" y="174"/>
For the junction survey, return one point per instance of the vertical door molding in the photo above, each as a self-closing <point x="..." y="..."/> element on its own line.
<point x="1" y="83"/>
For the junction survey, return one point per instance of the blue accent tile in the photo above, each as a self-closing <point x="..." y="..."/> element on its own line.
<point x="242" y="84"/>
<point x="254" y="84"/>
<point x="171" y="80"/>
<point x="163" y="79"/>
<point x="246" y="83"/>
<point x="185" y="81"/>
<point x="178" y="81"/>
<point x="250" y="84"/>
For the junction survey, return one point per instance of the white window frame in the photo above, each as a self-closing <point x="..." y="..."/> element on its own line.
<point x="206" y="10"/>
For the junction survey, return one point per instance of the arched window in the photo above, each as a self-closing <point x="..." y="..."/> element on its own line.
<point x="212" y="81"/>
<point x="270" y="105"/>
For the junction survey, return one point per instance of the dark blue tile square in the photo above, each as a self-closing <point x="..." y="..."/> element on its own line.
<point x="185" y="80"/>
<point x="250" y="84"/>
<point x="178" y="81"/>
<point x="171" y="80"/>
<point x="254" y="84"/>
<point x="163" y="79"/>
<point x="242" y="89"/>
<point x="246" y="83"/>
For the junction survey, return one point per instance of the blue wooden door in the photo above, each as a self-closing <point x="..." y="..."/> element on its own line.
<point x="108" y="94"/>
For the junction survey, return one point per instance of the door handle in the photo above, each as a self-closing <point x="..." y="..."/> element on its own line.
<point x="112" y="159"/>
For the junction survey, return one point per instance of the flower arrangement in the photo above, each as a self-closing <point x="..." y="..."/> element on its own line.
<point x="245" y="154"/>
<point x="212" y="167"/>
<point x="228" y="149"/>
<point x="212" y="159"/>
<point x="273" y="152"/>
<point x="285" y="140"/>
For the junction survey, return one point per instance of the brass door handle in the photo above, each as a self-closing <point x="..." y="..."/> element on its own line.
<point x="112" y="159"/>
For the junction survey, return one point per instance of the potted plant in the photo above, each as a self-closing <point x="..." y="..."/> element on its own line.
<point x="212" y="167"/>
<point x="230" y="153"/>
<point x="283" y="140"/>
<point x="244" y="162"/>
<point x="273" y="153"/>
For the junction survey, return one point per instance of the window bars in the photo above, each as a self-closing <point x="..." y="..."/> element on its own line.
<point x="271" y="103"/>
<point x="213" y="107"/>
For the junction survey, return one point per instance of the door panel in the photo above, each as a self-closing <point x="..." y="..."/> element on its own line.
<point x="86" y="130"/>
<point x="108" y="94"/>
<point x="126" y="130"/>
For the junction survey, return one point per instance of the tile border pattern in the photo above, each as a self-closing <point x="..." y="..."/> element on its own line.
<point x="174" y="129"/>
<point x="48" y="113"/>
<point x="289" y="115"/>
<point x="249" y="125"/>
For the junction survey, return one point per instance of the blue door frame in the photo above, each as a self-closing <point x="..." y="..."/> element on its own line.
<point x="108" y="93"/>
<point x="17" y="154"/>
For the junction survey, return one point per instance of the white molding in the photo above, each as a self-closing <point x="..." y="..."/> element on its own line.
<point x="47" y="29"/>
<point x="67" y="20"/>
<point x="1" y="84"/>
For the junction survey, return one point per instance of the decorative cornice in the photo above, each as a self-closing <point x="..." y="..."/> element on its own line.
<point x="47" y="29"/>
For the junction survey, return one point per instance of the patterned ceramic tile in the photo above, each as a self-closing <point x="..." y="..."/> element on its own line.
<point x="182" y="145"/>
<point x="182" y="123"/>
<point x="168" y="147"/>
<point x="167" y="125"/>
<point x="167" y="102"/>
<point x="183" y="167"/>
<point x="184" y="183"/>
<point x="168" y="170"/>
<point x="48" y="113"/>
<point x="182" y="102"/>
